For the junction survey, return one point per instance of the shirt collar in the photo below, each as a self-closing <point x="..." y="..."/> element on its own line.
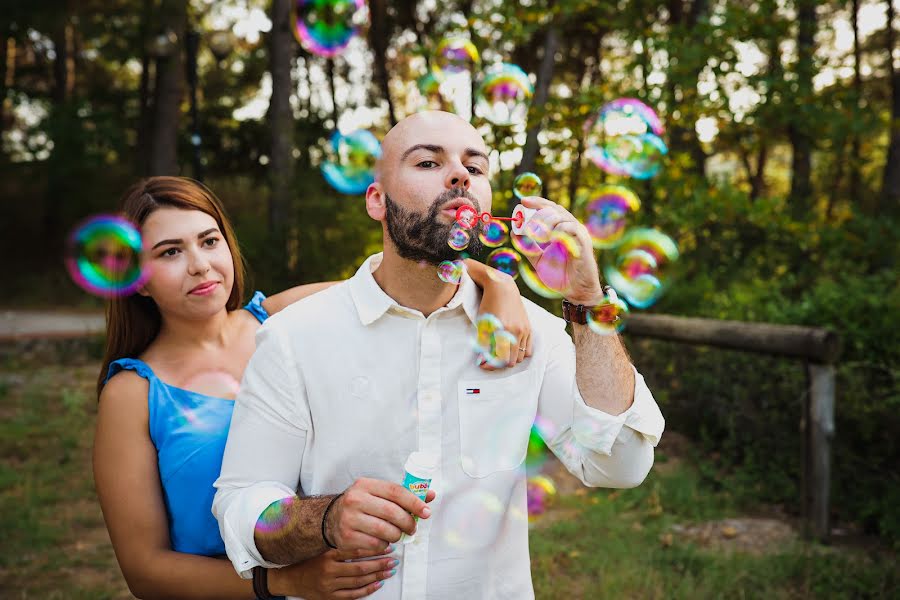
<point x="372" y="302"/>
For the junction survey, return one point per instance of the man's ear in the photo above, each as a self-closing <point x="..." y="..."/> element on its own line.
<point x="376" y="201"/>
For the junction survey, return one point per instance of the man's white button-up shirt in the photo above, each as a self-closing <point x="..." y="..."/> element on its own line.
<point x="347" y="383"/>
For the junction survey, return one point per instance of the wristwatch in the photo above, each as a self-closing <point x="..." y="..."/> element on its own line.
<point x="577" y="313"/>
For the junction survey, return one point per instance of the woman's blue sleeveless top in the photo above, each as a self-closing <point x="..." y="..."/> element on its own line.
<point x="189" y="430"/>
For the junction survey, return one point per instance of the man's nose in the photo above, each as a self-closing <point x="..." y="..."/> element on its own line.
<point x="459" y="176"/>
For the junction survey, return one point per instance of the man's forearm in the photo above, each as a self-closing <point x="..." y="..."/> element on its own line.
<point x="603" y="370"/>
<point x="290" y="530"/>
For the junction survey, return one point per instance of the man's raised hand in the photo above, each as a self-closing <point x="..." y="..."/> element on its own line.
<point x="372" y="514"/>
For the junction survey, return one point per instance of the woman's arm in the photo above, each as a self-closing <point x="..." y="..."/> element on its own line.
<point x="127" y="479"/>
<point x="275" y="303"/>
<point x="501" y="298"/>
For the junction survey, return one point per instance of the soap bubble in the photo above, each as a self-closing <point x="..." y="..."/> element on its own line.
<point x="430" y="90"/>
<point x="527" y="184"/>
<point x="450" y="271"/>
<point x="541" y="492"/>
<point x="454" y="55"/>
<point x="350" y="161"/>
<point x="609" y="316"/>
<point x="628" y="115"/>
<point x="103" y="256"/>
<point x="623" y="138"/>
<point x="604" y="213"/>
<point x="504" y="95"/>
<point x="505" y="260"/>
<point x="493" y="233"/>
<point x="552" y="265"/>
<point x="325" y="27"/>
<point x="638" y="156"/>
<point x="492" y="342"/>
<point x="639" y="268"/>
<point x="459" y="238"/>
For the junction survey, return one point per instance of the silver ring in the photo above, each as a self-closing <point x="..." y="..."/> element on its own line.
<point x="521" y="348"/>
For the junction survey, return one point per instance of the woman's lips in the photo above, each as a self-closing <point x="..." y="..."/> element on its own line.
<point x="205" y="289"/>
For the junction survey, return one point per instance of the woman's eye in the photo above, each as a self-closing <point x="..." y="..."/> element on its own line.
<point x="170" y="252"/>
<point x="210" y="242"/>
<point x="474" y="170"/>
<point x="427" y="164"/>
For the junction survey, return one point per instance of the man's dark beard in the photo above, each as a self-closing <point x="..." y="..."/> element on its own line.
<point x="424" y="237"/>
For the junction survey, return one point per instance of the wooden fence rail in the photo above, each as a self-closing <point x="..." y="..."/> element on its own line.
<point x="818" y="347"/>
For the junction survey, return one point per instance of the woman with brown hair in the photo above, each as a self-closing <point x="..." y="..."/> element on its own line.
<point x="175" y="352"/>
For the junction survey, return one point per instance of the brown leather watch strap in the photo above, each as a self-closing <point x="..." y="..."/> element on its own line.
<point x="574" y="313"/>
<point x="261" y="584"/>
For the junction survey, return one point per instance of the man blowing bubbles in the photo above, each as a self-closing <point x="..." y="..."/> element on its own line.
<point x="391" y="371"/>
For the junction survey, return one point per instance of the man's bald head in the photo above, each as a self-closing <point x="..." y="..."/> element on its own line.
<point x="425" y="128"/>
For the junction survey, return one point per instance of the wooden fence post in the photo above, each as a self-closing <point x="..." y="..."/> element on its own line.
<point x="819" y="431"/>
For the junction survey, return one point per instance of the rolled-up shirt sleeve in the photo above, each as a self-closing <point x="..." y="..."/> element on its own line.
<point x="265" y="447"/>
<point x="601" y="449"/>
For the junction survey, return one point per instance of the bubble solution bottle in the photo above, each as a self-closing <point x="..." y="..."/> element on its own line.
<point x="420" y="467"/>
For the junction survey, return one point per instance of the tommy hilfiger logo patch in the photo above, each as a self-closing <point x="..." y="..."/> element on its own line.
<point x="471" y="391"/>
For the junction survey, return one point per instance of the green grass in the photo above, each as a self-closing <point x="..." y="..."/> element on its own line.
<point x="621" y="545"/>
<point x="600" y="543"/>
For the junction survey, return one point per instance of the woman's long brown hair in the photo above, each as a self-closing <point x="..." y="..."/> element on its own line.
<point x="133" y="322"/>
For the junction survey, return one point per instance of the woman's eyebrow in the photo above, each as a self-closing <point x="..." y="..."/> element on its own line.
<point x="200" y="236"/>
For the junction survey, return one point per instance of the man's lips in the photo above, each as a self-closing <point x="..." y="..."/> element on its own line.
<point x="204" y="288"/>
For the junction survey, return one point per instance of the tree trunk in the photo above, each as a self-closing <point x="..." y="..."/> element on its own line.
<point x="542" y="90"/>
<point x="144" y="105"/>
<point x="281" y="123"/>
<point x="799" y="129"/>
<point x="329" y="70"/>
<point x="683" y="93"/>
<point x="890" y="187"/>
<point x="7" y="51"/>
<point x="379" y="36"/>
<point x="168" y="93"/>
<point x="591" y="73"/>
<point x="855" y="151"/>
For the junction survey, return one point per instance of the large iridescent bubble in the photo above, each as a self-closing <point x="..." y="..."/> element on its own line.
<point x="454" y="55"/>
<point x="505" y="260"/>
<point x="623" y="138"/>
<point x="504" y="95"/>
<point x="350" y="161"/>
<point x="459" y="238"/>
<point x="605" y="213"/>
<point x="325" y="27"/>
<point x="640" y="267"/>
<point x="103" y="256"/>
<point x="638" y="156"/>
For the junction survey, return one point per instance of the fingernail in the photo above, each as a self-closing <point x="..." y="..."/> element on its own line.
<point x="391" y="548"/>
<point x="426" y="512"/>
<point x="379" y="584"/>
<point x="393" y="572"/>
<point x="395" y="562"/>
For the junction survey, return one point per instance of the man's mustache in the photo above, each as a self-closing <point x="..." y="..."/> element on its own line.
<point x="451" y="194"/>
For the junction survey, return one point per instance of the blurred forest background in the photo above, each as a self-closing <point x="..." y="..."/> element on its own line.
<point x="782" y="184"/>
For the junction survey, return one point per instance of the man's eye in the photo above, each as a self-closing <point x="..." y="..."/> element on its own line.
<point x="427" y="164"/>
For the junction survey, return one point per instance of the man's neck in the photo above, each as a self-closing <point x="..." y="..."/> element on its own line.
<point x="413" y="285"/>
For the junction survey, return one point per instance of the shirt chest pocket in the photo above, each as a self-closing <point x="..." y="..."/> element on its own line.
<point x="495" y="418"/>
